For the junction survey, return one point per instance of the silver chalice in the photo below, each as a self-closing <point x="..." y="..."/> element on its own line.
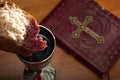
<point x="38" y="66"/>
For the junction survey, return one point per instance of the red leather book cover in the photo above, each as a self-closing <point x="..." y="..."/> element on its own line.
<point x="88" y="30"/>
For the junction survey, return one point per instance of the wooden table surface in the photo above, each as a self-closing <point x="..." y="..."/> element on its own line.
<point x="67" y="66"/>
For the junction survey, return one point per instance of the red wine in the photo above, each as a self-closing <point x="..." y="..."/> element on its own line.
<point x="41" y="55"/>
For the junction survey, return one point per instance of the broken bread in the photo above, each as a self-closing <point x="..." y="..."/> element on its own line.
<point x="18" y="30"/>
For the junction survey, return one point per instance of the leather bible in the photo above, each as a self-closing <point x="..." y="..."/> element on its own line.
<point x="88" y="30"/>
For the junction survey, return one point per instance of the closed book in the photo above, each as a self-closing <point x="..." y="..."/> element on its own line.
<point x="88" y="30"/>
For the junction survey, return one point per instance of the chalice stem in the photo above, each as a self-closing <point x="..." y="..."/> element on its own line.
<point x="38" y="76"/>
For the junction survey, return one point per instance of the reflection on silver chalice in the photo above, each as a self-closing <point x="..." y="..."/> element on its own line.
<point x="38" y="67"/>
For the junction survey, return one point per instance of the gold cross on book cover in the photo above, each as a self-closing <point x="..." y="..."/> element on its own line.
<point x="84" y="27"/>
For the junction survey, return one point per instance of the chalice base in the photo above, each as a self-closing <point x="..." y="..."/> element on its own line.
<point x="47" y="73"/>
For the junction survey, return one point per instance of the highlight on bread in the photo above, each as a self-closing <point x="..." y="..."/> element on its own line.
<point x="18" y="30"/>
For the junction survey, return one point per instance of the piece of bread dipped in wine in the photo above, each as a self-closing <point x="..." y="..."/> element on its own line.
<point x="18" y="30"/>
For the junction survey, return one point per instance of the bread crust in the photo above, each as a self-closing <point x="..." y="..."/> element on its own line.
<point x="12" y="45"/>
<point x="11" y="4"/>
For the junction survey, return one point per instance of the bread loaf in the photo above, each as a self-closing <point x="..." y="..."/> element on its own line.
<point x="18" y="30"/>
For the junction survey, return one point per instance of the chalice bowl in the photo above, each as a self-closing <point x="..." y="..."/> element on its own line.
<point x="38" y="66"/>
